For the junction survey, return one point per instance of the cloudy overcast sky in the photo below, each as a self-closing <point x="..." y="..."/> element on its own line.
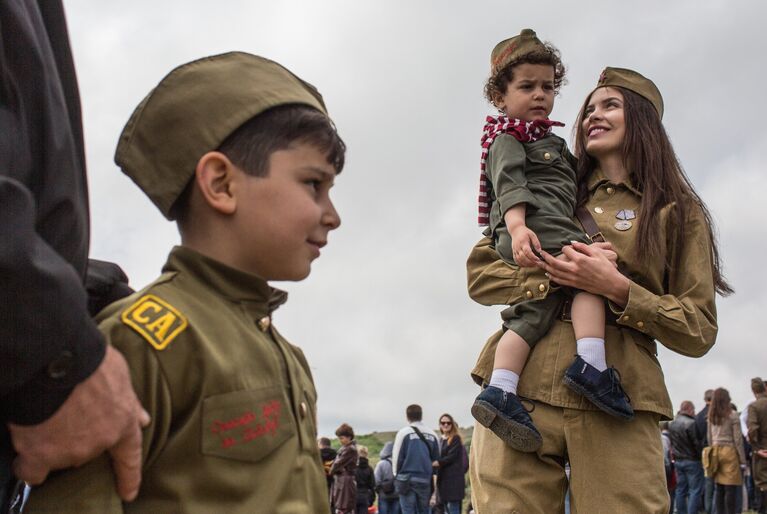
<point x="384" y="318"/>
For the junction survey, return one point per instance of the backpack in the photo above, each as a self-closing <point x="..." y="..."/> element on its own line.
<point x="386" y="486"/>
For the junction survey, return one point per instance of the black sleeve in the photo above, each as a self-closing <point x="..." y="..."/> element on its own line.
<point x="48" y="343"/>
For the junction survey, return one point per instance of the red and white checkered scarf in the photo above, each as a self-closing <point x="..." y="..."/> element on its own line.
<point x="523" y="131"/>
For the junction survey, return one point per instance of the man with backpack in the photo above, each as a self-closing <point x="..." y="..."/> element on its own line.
<point x="416" y="450"/>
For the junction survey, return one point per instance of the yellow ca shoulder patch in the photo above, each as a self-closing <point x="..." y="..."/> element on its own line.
<point x="155" y="320"/>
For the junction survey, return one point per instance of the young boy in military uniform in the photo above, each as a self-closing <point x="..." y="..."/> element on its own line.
<point x="241" y="153"/>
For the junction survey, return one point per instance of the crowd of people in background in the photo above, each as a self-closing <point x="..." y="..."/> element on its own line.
<point x="419" y="472"/>
<point x="716" y="459"/>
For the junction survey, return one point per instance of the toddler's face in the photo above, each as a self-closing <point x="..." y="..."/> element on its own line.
<point x="530" y="95"/>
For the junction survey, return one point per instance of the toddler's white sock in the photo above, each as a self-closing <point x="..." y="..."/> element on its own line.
<point x="505" y="380"/>
<point x="592" y="350"/>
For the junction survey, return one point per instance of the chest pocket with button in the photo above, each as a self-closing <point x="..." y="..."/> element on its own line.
<point x="246" y="425"/>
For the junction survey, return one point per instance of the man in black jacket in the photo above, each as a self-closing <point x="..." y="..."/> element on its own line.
<point x="64" y="396"/>
<point x="687" y="448"/>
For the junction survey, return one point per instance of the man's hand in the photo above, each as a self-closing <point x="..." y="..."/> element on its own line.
<point x="102" y="413"/>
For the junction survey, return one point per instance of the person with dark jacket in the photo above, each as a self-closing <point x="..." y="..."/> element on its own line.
<point x="366" y="482"/>
<point x="65" y="396"/>
<point x="451" y="475"/>
<point x="328" y="455"/>
<point x="687" y="448"/>
<point x="343" y="495"/>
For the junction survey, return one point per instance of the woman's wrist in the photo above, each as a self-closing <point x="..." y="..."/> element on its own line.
<point x="619" y="290"/>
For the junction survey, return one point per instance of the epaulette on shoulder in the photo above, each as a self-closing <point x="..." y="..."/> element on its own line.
<point x="155" y="320"/>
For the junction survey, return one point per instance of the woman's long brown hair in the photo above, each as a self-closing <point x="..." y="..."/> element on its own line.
<point x="721" y="408"/>
<point x="650" y="159"/>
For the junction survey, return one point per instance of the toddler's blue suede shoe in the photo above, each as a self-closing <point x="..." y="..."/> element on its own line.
<point x="603" y="389"/>
<point x="506" y="417"/>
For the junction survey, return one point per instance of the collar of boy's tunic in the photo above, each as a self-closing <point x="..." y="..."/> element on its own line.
<point x="597" y="178"/>
<point x="228" y="282"/>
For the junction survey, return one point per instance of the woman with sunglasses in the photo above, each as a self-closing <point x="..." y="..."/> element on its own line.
<point x="451" y="480"/>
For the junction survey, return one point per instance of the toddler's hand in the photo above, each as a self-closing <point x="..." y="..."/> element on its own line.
<point x="523" y="240"/>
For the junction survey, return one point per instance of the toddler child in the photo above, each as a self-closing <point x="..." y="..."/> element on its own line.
<point x="527" y="200"/>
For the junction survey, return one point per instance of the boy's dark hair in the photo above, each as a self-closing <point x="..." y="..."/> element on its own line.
<point x="414" y="412"/>
<point x="324" y="442"/>
<point x="499" y="81"/>
<point x="345" y="430"/>
<point x="252" y="144"/>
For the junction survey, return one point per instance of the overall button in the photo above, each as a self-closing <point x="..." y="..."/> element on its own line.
<point x="610" y="190"/>
<point x="599" y="210"/>
<point x="547" y="156"/>
<point x="529" y="294"/>
<point x="541" y="288"/>
<point x="625" y="318"/>
<point x="640" y="324"/>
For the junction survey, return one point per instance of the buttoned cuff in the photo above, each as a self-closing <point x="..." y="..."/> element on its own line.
<point x="640" y="310"/>
<point x="40" y="398"/>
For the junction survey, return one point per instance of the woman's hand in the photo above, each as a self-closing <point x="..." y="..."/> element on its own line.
<point x="590" y="269"/>
<point x="523" y="241"/>
<point x="607" y="249"/>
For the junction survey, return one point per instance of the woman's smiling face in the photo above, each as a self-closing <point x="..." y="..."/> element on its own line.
<point x="604" y="123"/>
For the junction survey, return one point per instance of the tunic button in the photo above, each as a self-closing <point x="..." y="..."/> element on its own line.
<point x="640" y="324"/>
<point x="610" y="190"/>
<point x="625" y="318"/>
<point x="541" y="288"/>
<point x="547" y="156"/>
<point x="529" y="294"/>
<point x="303" y="409"/>
<point x="263" y="323"/>
<point x="599" y="210"/>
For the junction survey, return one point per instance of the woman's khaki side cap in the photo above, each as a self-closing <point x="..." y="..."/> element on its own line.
<point x="633" y="81"/>
<point x="193" y="110"/>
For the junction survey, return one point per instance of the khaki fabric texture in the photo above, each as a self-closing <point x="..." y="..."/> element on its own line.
<point x="233" y="404"/>
<point x="633" y="81"/>
<point x="509" y="50"/>
<point x="728" y="466"/>
<point x="673" y="306"/>
<point x="598" y="447"/>
<point x="193" y="110"/>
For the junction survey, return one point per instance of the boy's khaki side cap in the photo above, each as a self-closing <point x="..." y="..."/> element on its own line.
<point x="511" y="49"/>
<point x="633" y="81"/>
<point x="193" y="110"/>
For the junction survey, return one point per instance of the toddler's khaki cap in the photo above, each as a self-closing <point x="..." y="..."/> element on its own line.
<point x="511" y="49"/>
<point x="193" y="110"/>
<point x="633" y="81"/>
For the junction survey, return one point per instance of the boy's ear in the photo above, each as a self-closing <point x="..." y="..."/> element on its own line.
<point x="214" y="175"/>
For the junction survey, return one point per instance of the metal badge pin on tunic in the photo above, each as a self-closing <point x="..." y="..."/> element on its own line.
<point x="624" y="216"/>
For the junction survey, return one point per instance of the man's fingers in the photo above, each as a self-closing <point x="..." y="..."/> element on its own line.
<point x="143" y="417"/>
<point x="31" y="472"/>
<point x="126" y="462"/>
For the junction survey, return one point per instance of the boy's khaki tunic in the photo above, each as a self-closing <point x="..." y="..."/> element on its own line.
<point x="674" y="306"/>
<point x="232" y="403"/>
